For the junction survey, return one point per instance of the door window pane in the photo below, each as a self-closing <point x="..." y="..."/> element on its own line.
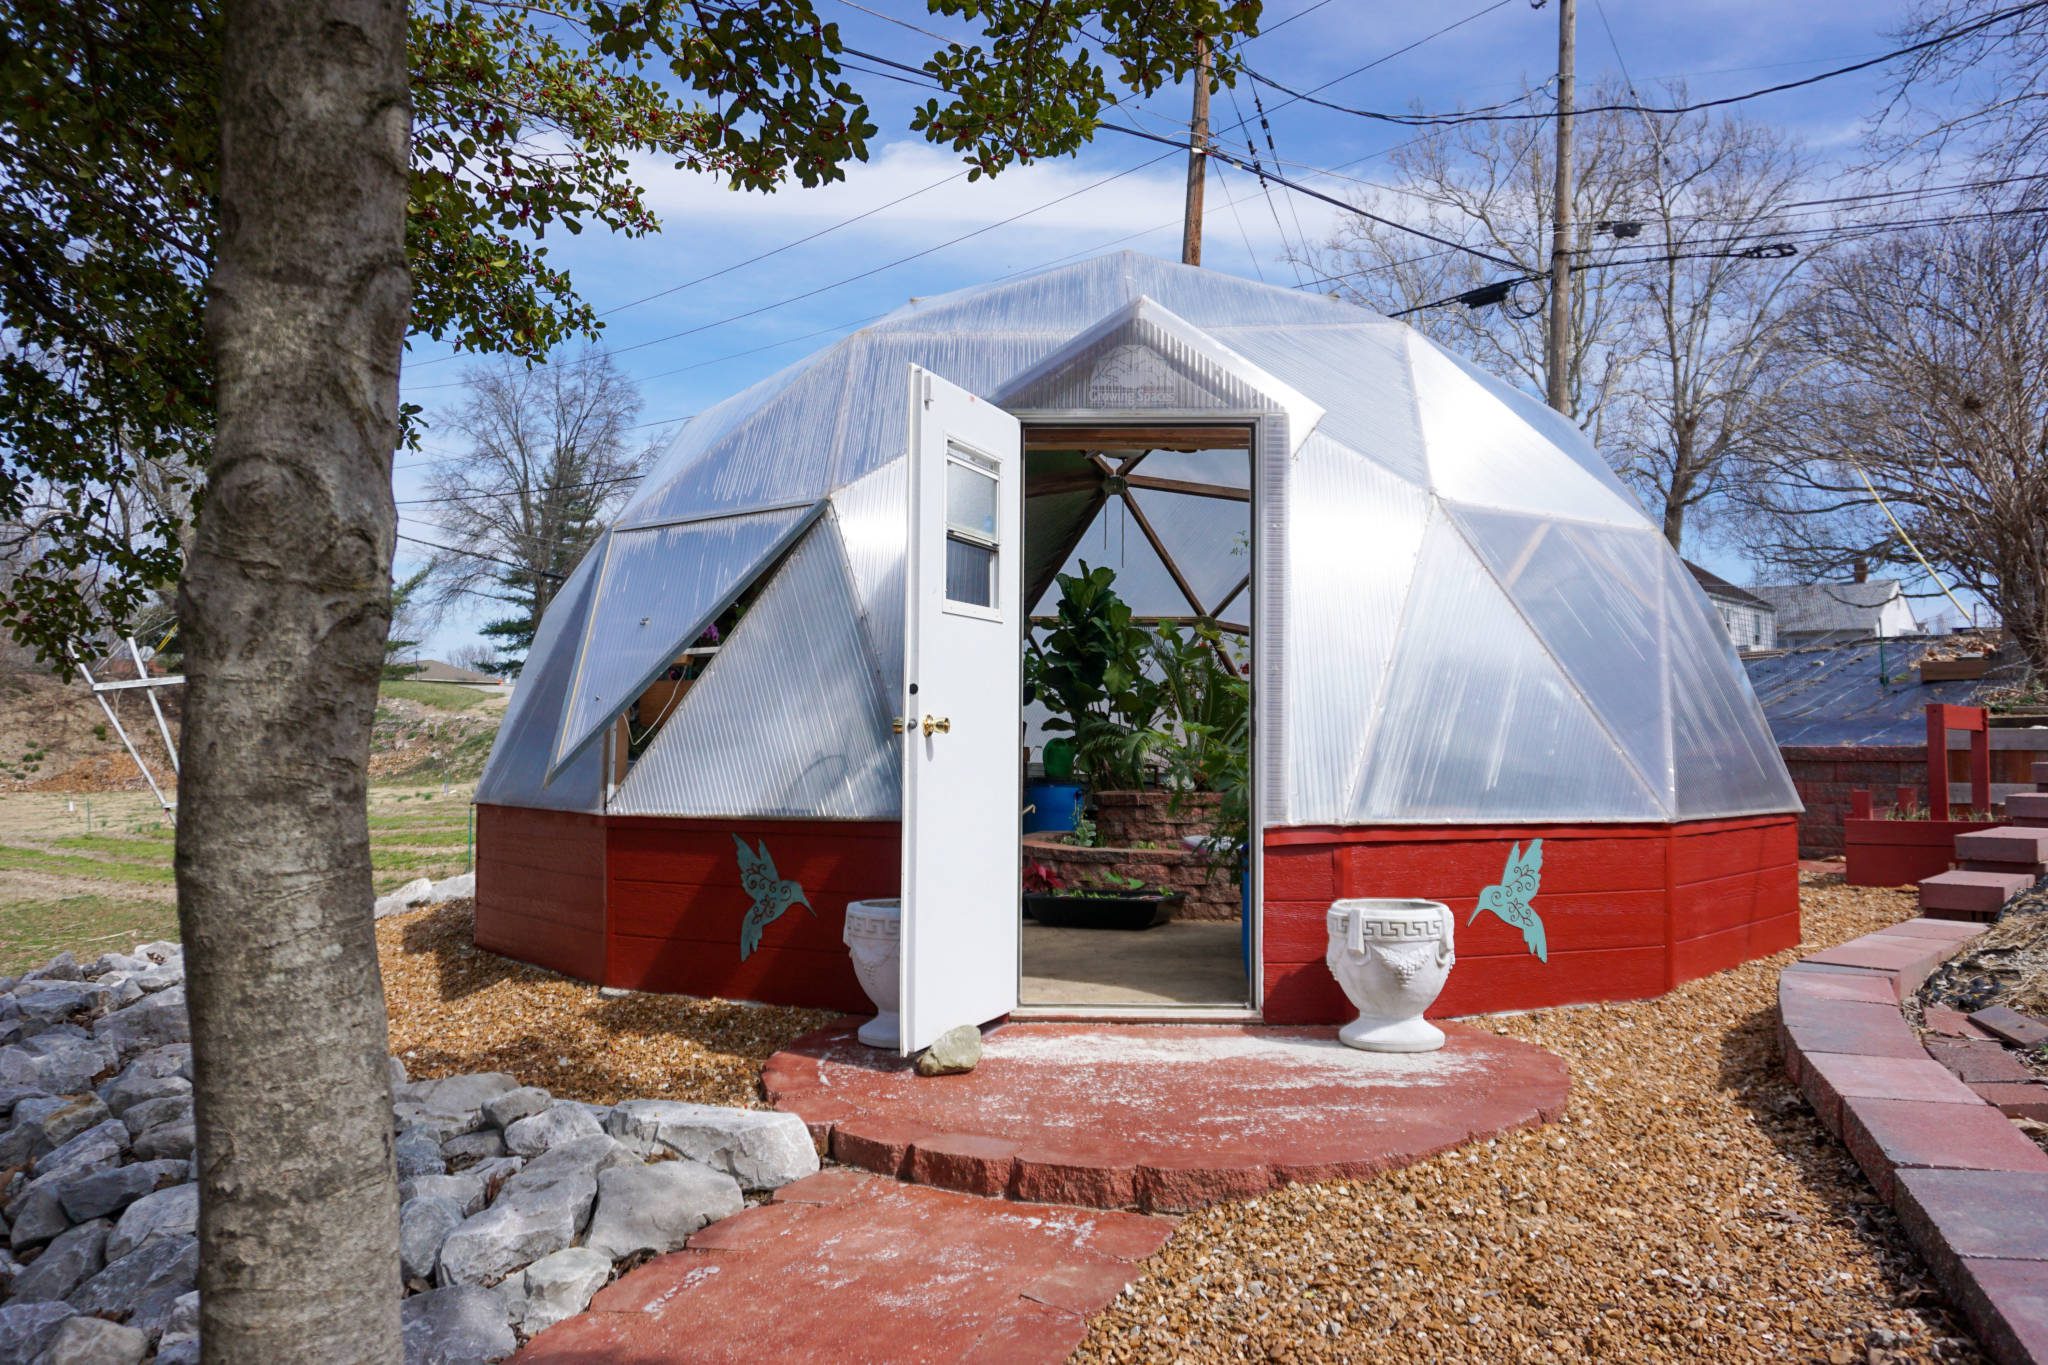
<point x="970" y="500"/>
<point x="970" y="572"/>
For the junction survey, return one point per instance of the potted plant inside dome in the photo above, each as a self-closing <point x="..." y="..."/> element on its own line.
<point x="1108" y="900"/>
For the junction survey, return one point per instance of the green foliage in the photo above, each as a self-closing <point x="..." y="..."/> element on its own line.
<point x="395" y="649"/>
<point x="525" y="118"/>
<point x="1089" y="671"/>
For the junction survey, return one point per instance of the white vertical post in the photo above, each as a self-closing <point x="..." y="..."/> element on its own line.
<point x="163" y="727"/>
<point x="127" y="743"/>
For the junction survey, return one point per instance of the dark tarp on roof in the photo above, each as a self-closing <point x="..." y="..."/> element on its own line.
<point x="1833" y="694"/>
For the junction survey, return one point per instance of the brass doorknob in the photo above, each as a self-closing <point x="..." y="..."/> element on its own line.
<point x="942" y="724"/>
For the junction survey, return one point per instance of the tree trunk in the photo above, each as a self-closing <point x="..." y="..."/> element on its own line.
<point x="285" y="606"/>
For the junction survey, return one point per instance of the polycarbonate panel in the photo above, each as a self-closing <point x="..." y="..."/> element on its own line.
<point x="875" y="430"/>
<point x="1142" y="358"/>
<point x="1210" y="540"/>
<point x="516" y="772"/>
<point x="1596" y="598"/>
<point x="1480" y="723"/>
<point x="658" y="590"/>
<point x="1482" y="453"/>
<point x="788" y="719"/>
<point x="1561" y="430"/>
<point x="1726" y="760"/>
<point x="1053" y="523"/>
<point x="1359" y="374"/>
<point x="1226" y="468"/>
<point x="874" y="525"/>
<point x="1355" y="532"/>
<point x="1114" y="541"/>
<point x="778" y="454"/>
<point x="1053" y="300"/>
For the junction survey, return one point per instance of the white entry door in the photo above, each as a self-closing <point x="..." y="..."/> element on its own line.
<point x="962" y="708"/>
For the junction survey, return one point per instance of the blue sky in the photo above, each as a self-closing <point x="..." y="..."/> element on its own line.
<point x="1718" y="47"/>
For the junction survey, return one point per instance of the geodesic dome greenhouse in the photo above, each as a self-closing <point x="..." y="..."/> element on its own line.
<point x="1466" y="631"/>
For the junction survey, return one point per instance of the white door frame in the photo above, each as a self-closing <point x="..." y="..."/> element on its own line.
<point x="1269" y="450"/>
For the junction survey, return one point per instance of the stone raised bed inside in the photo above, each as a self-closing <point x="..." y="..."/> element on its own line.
<point x="1967" y="1185"/>
<point x="516" y="1206"/>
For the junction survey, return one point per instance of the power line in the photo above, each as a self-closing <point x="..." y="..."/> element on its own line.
<point x="1492" y="116"/>
<point x="479" y="554"/>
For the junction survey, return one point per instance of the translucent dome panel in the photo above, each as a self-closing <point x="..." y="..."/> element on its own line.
<point x="1726" y="761"/>
<point x="1480" y="723"/>
<point x="1596" y="599"/>
<point x="873" y="514"/>
<point x="779" y="453"/>
<point x="516" y="774"/>
<point x="1354" y="533"/>
<point x="1482" y="453"/>
<point x="875" y="427"/>
<point x="1359" y="374"/>
<point x="658" y="590"/>
<point x="1560" y="429"/>
<point x="789" y="719"/>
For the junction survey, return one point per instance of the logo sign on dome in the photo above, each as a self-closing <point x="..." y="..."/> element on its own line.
<point x="1132" y="376"/>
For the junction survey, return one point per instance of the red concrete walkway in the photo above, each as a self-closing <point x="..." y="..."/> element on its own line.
<point x="845" y="1266"/>
<point x="1159" y="1117"/>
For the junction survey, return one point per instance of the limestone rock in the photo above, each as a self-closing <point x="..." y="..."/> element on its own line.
<point x="656" y="1207"/>
<point x="451" y="1106"/>
<point x="35" y="1215"/>
<point x="62" y="967"/>
<point x="42" y="1123"/>
<point x="560" y="1285"/>
<point x="100" y="1194"/>
<point x="135" y="1086"/>
<point x="567" y="1174"/>
<point x="166" y="1213"/>
<point x="551" y="1127"/>
<point x="761" y="1149"/>
<point x="955" y="1052"/>
<point x="461" y="886"/>
<point x="67" y="1059"/>
<point x="424" y="1223"/>
<point x="177" y="1139"/>
<point x="94" y="1341"/>
<point x="25" y="1328"/>
<point x="509" y="1234"/>
<point x="507" y="1109"/>
<point x="471" y="1148"/>
<point x="458" y="1325"/>
<point x="151" y="1022"/>
<point x="418" y="1152"/>
<point x="140" y="1118"/>
<point x="465" y="1190"/>
<point x="166" y="1266"/>
<point x="65" y="1264"/>
<point x="93" y="1149"/>
<point x="414" y="892"/>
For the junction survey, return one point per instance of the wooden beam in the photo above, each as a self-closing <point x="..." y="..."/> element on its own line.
<point x="1221" y="491"/>
<point x="1181" y="437"/>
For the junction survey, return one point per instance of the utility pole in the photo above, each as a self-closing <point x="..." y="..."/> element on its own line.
<point x="1198" y="159"/>
<point x="1558" y="358"/>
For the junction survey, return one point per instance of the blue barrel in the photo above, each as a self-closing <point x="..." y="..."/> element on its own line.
<point x="1055" y="805"/>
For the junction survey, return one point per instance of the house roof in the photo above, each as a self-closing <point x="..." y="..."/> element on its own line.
<point x="1717" y="586"/>
<point x="1831" y="606"/>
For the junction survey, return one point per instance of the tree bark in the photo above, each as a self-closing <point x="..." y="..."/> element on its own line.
<point x="285" y="607"/>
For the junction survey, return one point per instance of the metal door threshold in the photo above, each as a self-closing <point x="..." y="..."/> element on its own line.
<point x="1136" y="1014"/>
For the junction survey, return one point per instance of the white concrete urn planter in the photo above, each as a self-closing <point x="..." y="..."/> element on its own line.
<point x="874" y="935"/>
<point x="1392" y="958"/>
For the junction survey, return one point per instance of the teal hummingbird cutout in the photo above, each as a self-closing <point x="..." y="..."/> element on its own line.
<point x="772" y="893"/>
<point x="1512" y="898"/>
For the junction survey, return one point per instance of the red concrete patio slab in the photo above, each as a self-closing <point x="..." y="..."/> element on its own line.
<point x="846" y="1266"/>
<point x="2007" y="1305"/>
<point x="1950" y="1023"/>
<point x="1951" y="1214"/>
<point x="1869" y="988"/>
<point x="2016" y="1100"/>
<point x="1978" y="1059"/>
<point x="1849" y="1026"/>
<point x="1162" y="1117"/>
<point x="1884" y="1135"/>
<point x="1827" y="1078"/>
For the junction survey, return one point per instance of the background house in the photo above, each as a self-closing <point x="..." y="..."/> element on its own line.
<point x="1751" y="622"/>
<point x="1829" y="613"/>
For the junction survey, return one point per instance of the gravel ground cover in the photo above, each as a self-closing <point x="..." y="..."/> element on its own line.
<point x="1688" y="1208"/>
<point x="454" y="1010"/>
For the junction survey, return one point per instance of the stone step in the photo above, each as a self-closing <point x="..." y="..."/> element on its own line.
<point x="2034" y="870"/>
<point x="2028" y="810"/>
<point x="2011" y="845"/>
<point x="1975" y="893"/>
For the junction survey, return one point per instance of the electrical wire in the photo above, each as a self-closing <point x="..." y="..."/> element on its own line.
<point x="1492" y="115"/>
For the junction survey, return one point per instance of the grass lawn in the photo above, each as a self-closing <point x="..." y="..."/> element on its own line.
<point x="94" y="873"/>
<point x="442" y="696"/>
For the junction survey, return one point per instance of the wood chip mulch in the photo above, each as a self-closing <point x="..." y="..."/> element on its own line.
<point x="454" y="1009"/>
<point x="1688" y="1208"/>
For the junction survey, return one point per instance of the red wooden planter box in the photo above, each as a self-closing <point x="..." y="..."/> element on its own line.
<point x="1901" y="852"/>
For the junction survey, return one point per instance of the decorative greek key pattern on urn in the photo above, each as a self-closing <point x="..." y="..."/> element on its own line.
<point x="1422" y="931"/>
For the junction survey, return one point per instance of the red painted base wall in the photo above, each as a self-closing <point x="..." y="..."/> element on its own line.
<point x="1629" y="911"/>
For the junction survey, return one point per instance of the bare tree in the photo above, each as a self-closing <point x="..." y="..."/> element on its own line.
<point x="1709" y="306"/>
<point x="1929" y="379"/>
<point x="549" y="452"/>
<point x="1490" y="185"/>
<point x="1980" y="97"/>
<point x="1674" y="328"/>
<point x="285" y="603"/>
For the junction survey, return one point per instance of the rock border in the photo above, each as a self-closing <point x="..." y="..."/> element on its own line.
<point x="1968" y="1187"/>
